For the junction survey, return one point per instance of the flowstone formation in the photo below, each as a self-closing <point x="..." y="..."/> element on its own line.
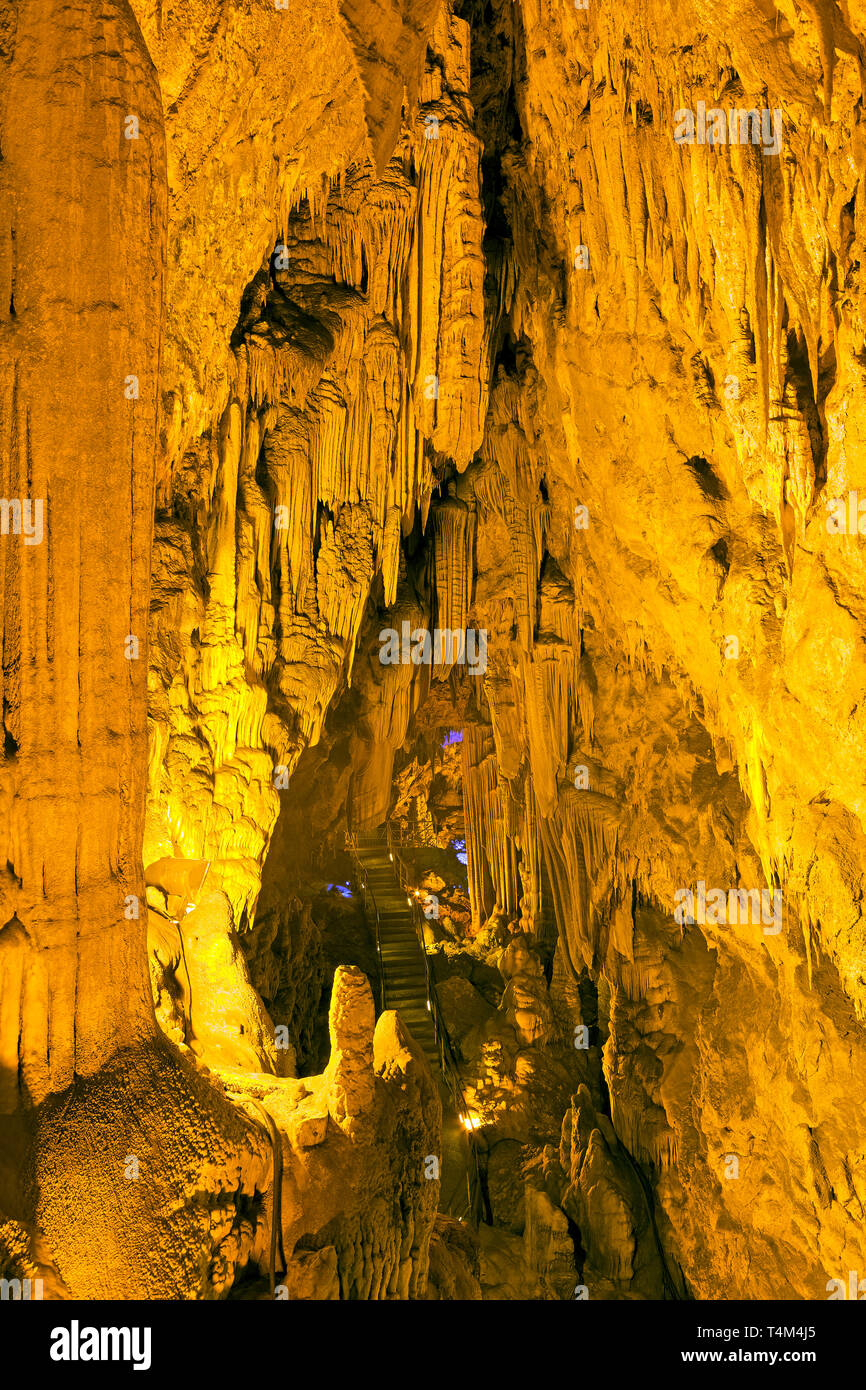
<point x="446" y="416"/>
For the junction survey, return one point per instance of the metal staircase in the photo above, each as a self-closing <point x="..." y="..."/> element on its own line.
<point x="407" y="986"/>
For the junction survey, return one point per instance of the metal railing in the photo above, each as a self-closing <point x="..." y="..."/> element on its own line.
<point x="369" y="898"/>
<point x="447" y="1059"/>
<point x="408" y="837"/>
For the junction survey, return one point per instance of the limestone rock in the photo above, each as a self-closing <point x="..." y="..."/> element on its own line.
<point x="366" y="316"/>
<point x="350" y="1071"/>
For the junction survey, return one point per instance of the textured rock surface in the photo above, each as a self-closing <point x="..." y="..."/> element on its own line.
<point x="366" y="315"/>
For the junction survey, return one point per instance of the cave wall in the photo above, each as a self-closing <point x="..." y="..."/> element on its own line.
<point x="674" y="619"/>
<point x="82" y="317"/>
<point x="699" y="384"/>
<point x="515" y="359"/>
<point x="127" y="380"/>
<point x="299" y="459"/>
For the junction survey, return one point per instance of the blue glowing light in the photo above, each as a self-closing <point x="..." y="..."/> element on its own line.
<point x="342" y="888"/>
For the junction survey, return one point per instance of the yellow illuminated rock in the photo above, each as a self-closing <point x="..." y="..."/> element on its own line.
<point x="449" y="416"/>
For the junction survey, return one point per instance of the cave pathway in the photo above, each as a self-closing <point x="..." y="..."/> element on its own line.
<point x="404" y="980"/>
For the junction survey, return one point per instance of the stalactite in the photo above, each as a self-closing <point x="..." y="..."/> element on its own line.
<point x="479" y="776"/>
<point x="340" y="370"/>
<point x="527" y="838"/>
<point x="453" y="530"/>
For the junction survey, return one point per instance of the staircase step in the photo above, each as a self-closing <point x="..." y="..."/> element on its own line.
<point x="404" y="967"/>
<point x="416" y="1025"/>
<point x="427" y="1046"/>
<point x="404" y="975"/>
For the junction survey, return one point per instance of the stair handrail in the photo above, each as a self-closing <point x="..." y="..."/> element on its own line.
<point x="401" y="837"/>
<point x="447" y="1058"/>
<point x="361" y="875"/>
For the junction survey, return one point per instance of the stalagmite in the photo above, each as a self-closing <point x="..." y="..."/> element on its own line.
<point x="75" y="606"/>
